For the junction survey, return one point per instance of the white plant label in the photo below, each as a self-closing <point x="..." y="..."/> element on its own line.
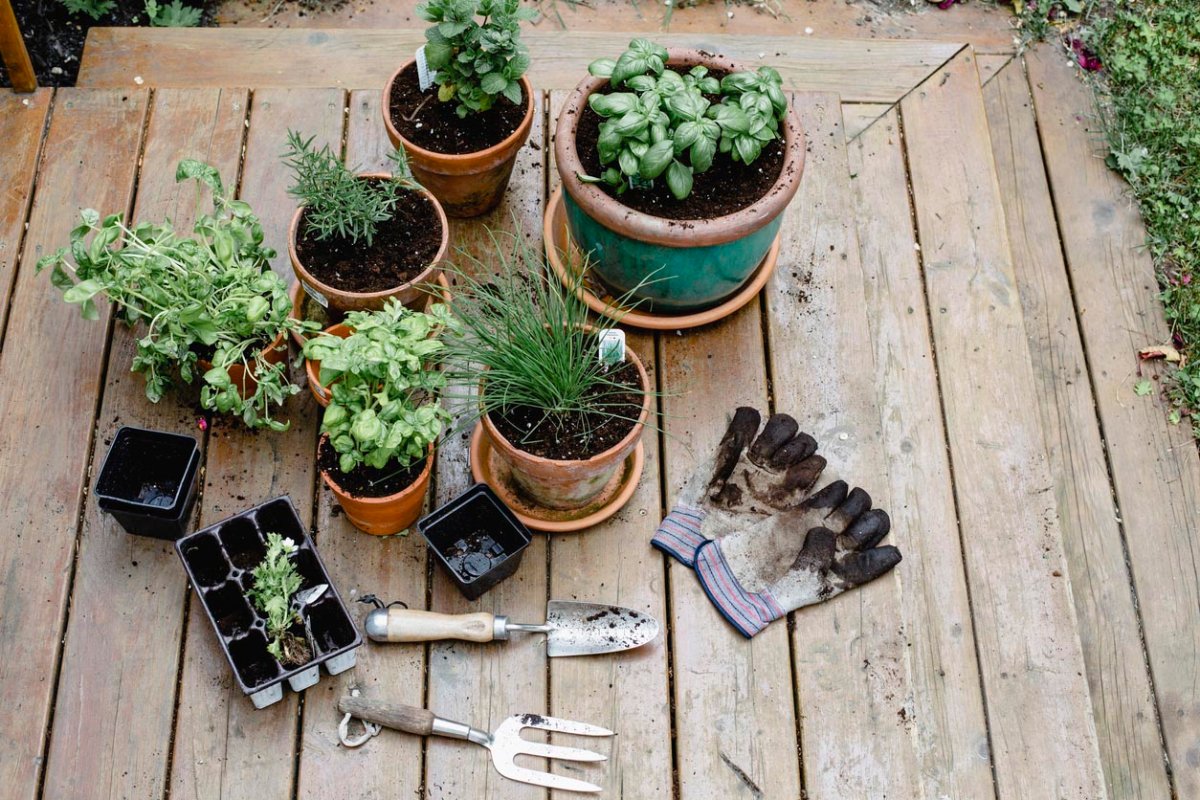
<point x="425" y="75"/>
<point x="612" y="347"/>
<point x="315" y="295"/>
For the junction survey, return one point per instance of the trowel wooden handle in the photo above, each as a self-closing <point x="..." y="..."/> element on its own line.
<point x="390" y="715"/>
<point x="410" y="625"/>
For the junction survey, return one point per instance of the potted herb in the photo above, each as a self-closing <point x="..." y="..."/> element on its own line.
<point x="383" y="416"/>
<point x="561" y="413"/>
<point x="210" y="302"/>
<point x="463" y="138"/>
<point x="357" y="240"/>
<point x="676" y="164"/>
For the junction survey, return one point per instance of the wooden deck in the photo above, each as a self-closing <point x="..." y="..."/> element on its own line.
<point x="956" y="316"/>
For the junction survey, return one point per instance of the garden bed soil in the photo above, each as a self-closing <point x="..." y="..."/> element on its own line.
<point x="575" y="437"/>
<point x="429" y="123"/>
<point x="727" y="187"/>
<point x="403" y="248"/>
<point x="367" y="481"/>
<point x="54" y="36"/>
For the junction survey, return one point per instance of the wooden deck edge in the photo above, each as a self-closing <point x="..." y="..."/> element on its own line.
<point x="861" y="70"/>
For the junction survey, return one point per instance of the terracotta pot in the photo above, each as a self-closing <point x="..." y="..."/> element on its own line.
<point x="567" y="485"/>
<point x="339" y="301"/>
<point x="274" y="353"/>
<point x="694" y="265"/>
<point x="426" y="297"/>
<point x="313" y="368"/>
<point x="468" y="184"/>
<point x="383" y="516"/>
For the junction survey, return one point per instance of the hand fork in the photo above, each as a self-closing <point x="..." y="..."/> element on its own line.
<point x="505" y="744"/>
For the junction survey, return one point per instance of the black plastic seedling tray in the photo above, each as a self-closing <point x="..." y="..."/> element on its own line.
<point x="220" y="560"/>
<point x="148" y="481"/>
<point x="476" y="539"/>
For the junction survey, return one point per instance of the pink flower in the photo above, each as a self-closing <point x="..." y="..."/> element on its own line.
<point x="202" y="423"/>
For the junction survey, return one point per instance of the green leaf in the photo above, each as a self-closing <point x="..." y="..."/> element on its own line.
<point x="628" y="162"/>
<point x="198" y="170"/>
<point x="84" y="290"/>
<point x="702" y="154"/>
<point x="438" y="55"/>
<point x="679" y="179"/>
<point x="656" y="159"/>
<point x="493" y="83"/>
<point x="1142" y="388"/>
<point x="602" y="67"/>
<point x="512" y="92"/>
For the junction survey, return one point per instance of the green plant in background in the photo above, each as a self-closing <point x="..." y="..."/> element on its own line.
<point x="476" y="61"/>
<point x="212" y="294"/>
<point x="338" y="203"/>
<point x="384" y="407"/>
<point x="667" y="126"/>
<point x="276" y="581"/>
<point x="524" y="334"/>
<point x="93" y="8"/>
<point x="173" y="15"/>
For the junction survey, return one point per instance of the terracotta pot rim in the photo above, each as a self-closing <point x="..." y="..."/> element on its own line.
<point x="273" y="346"/>
<point x="659" y="230"/>
<point x="378" y="501"/>
<point x="304" y="276"/>
<point x="296" y="292"/>
<point x="628" y="441"/>
<point x="520" y="133"/>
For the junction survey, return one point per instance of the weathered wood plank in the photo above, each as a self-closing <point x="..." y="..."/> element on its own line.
<point x="857" y="117"/>
<point x="874" y="71"/>
<point x="1154" y="467"/>
<point x="128" y="598"/>
<point x="1122" y="699"/>
<point x="1039" y="712"/>
<point x="483" y="684"/>
<point x="392" y="567"/>
<point x="22" y="124"/>
<point x="224" y="748"/>
<point x="990" y="65"/>
<point x="614" y="563"/>
<point x="735" y="722"/>
<point x="946" y="714"/>
<point x="51" y="370"/>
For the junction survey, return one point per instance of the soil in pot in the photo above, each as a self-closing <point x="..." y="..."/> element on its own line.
<point x="403" y="248"/>
<point x="727" y="187"/>
<point x="367" y="481"/>
<point x="579" y="436"/>
<point x="429" y="123"/>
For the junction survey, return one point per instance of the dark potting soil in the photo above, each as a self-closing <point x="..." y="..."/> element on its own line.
<point x="402" y="248"/>
<point x="575" y="437"/>
<point x="367" y="481"/>
<point x="727" y="187"/>
<point x="54" y="36"/>
<point x="429" y="123"/>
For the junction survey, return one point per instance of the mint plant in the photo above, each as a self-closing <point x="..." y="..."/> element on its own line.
<point x="384" y="405"/>
<point x="93" y="8"/>
<point x="667" y="125"/>
<point x="476" y="60"/>
<point x="172" y="15"/>
<point x="276" y="581"/>
<point x="212" y="294"/>
<point x="337" y="202"/>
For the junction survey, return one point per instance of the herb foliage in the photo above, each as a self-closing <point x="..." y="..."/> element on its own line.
<point x="276" y="581"/>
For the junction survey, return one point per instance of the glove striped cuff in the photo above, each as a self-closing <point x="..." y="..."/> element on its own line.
<point x="679" y="534"/>
<point x="749" y="612"/>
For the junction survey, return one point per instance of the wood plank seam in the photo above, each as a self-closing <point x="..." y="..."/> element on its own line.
<point x="943" y="420"/>
<point x="1018" y="63"/>
<point x="20" y="245"/>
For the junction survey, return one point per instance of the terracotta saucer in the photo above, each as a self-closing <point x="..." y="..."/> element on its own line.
<point x="599" y="299"/>
<point x="489" y="468"/>
<point x="305" y="307"/>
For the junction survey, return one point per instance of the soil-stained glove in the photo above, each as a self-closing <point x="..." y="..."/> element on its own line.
<point x="762" y="542"/>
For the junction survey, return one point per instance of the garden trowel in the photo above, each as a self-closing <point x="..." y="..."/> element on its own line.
<point x="571" y="628"/>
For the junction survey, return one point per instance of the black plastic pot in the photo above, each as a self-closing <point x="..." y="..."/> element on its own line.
<point x="148" y="481"/>
<point x="476" y="539"/>
<point x="219" y="561"/>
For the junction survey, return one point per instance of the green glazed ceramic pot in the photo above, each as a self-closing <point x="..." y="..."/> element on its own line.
<point x="674" y="266"/>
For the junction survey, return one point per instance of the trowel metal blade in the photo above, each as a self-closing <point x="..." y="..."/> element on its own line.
<point x="585" y="629"/>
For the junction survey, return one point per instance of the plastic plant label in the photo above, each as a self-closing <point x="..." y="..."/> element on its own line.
<point x="612" y="347"/>
<point x="315" y="295"/>
<point x="425" y="75"/>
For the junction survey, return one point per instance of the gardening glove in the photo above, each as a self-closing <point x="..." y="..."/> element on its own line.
<point x="761" y="541"/>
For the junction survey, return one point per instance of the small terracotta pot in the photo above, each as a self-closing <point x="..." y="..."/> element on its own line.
<point x="690" y="265"/>
<point x="468" y="184"/>
<point x="567" y="485"/>
<point x="274" y="353"/>
<point x="313" y="368"/>
<point x="383" y="516"/>
<point x="426" y="297"/>
<point x="339" y="301"/>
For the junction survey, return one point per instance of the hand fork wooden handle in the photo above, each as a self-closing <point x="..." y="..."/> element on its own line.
<point x="505" y="744"/>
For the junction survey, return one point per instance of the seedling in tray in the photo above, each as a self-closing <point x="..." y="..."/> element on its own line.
<point x="270" y="600"/>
